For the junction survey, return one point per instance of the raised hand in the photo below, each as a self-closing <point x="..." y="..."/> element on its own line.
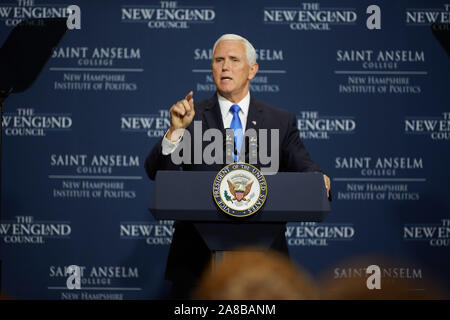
<point x="181" y="115"/>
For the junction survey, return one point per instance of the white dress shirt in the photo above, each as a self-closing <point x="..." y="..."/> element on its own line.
<point x="227" y="116"/>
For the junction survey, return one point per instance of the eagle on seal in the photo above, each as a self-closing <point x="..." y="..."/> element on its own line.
<point x="238" y="193"/>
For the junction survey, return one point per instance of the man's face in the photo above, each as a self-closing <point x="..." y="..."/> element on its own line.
<point x="231" y="71"/>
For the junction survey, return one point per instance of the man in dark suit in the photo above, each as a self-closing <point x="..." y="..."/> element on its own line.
<point x="233" y="66"/>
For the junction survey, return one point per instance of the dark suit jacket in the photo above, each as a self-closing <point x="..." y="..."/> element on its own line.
<point x="188" y="253"/>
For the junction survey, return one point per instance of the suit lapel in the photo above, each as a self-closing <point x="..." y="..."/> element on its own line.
<point x="255" y="115"/>
<point x="212" y="115"/>
<point x="212" y="118"/>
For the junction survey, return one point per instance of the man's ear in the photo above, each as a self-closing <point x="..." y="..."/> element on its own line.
<point x="253" y="70"/>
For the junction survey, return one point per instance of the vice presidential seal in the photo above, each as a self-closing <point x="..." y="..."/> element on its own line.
<point x="239" y="189"/>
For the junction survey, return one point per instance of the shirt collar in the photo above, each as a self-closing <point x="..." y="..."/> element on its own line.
<point x="226" y="104"/>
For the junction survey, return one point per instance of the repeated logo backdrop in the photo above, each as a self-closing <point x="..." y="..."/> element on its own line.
<point x="372" y="108"/>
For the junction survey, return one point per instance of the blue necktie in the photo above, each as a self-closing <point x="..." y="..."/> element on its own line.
<point x="236" y="125"/>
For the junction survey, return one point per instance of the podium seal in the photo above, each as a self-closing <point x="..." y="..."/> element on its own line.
<point x="239" y="189"/>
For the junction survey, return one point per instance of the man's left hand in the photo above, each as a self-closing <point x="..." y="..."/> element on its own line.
<point x="327" y="184"/>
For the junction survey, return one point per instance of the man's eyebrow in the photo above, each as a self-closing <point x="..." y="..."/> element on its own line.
<point x="229" y="56"/>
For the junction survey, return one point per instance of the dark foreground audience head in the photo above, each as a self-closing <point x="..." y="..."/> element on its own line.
<point x="255" y="274"/>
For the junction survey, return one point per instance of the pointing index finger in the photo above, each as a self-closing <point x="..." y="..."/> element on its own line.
<point x="189" y="95"/>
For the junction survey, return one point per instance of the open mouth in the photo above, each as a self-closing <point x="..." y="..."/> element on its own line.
<point x="226" y="78"/>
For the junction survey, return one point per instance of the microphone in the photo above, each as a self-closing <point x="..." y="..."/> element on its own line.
<point x="250" y="146"/>
<point x="228" y="145"/>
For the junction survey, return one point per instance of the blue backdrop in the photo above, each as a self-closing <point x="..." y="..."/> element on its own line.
<point x="372" y="108"/>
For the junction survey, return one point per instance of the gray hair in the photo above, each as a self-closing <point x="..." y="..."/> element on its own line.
<point x="249" y="49"/>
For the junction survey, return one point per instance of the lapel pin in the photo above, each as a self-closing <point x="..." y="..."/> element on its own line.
<point x="254" y="123"/>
